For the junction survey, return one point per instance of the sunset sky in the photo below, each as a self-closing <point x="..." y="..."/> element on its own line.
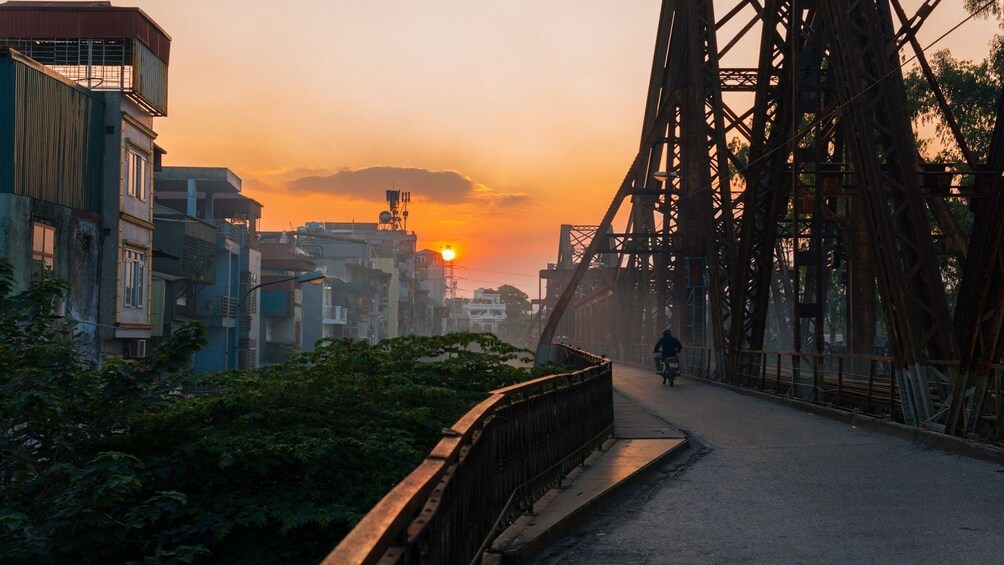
<point x="503" y="119"/>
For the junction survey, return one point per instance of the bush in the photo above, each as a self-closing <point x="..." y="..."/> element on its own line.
<point x="127" y="464"/>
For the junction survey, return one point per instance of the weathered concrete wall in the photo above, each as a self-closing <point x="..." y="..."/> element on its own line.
<point x="77" y="256"/>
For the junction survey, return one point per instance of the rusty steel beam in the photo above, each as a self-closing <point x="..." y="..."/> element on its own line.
<point x="767" y="194"/>
<point x="979" y="313"/>
<point x="885" y="163"/>
<point x="720" y="251"/>
<point x="683" y="132"/>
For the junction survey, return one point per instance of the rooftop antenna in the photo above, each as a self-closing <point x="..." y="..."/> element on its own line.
<point x="396" y="218"/>
<point x="405" y="199"/>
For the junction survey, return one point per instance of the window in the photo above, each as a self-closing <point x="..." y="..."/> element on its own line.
<point x="43" y="249"/>
<point x="134" y="278"/>
<point x="137" y="177"/>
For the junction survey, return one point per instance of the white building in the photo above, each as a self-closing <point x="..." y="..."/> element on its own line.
<point x="485" y="312"/>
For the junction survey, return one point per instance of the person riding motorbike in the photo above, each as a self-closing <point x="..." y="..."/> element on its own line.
<point x="667" y="346"/>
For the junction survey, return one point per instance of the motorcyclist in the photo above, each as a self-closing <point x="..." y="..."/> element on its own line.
<point x="667" y="346"/>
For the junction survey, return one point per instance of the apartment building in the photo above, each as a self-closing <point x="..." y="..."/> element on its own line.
<point x="105" y="69"/>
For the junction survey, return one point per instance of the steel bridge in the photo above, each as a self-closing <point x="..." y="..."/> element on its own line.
<point x="785" y="207"/>
<point x="783" y="224"/>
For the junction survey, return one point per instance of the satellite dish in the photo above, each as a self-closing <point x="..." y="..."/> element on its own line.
<point x="385" y="217"/>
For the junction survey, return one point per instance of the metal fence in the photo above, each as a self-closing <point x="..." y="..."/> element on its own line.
<point x="488" y="469"/>
<point x="865" y="384"/>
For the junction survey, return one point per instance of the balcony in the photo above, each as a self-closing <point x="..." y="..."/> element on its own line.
<point x="228" y="231"/>
<point x="335" y="315"/>
<point x="222" y="308"/>
<point x="487" y="316"/>
<point x="228" y="307"/>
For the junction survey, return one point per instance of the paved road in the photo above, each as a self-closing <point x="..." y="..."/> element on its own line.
<point x="769" y="484"/>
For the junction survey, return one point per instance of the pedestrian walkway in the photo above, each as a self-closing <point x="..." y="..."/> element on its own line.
<point x="641" y="441"/>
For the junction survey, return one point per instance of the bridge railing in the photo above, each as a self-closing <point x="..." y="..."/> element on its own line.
<point x="489" y="468"/>
<point x="862" y="383"/>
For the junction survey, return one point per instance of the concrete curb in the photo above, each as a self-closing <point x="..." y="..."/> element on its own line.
<point x="934" y="440"/>
<point x="521" y="553"/>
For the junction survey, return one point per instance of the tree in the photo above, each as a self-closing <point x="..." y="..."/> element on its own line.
<point x="516" y="328"/>
<point x="971" y="89"/>
<point x="128" y="463"/>
<point x="66" y="492"/>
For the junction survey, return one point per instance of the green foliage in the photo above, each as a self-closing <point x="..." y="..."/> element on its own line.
<point x="67" y="494"/>
<point x="971" y="89"/>
<point x="128" y="464"/>
<point x="282" y="462"/>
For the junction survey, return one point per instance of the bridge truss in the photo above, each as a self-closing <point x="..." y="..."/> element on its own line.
<point x="768" y="204"/>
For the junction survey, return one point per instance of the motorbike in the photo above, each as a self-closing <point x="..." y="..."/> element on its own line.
<point x="670" y="369"/>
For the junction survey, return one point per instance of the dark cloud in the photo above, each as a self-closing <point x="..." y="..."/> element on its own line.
<point x="371" y="184"/>
<point x="445" y="187"/>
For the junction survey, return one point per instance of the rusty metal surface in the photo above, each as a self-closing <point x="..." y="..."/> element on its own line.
<point x="831" y="202"/>
<point x="66" y="21"/>
<point x="488" y="469"/>
<point x="767" y="193"/>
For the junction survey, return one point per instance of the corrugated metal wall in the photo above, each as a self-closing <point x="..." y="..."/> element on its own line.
<point x="51" y="137"/>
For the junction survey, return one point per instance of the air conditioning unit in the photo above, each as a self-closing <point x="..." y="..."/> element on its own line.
<point x="135" y="349"/>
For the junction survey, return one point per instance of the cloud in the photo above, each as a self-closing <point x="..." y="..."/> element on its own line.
<point x="372" y="182"/>
<point x="442" y="187"/>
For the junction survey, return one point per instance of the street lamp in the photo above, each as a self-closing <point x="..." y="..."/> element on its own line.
<point x="313" y="277"/>
<point x="663" y="176"/>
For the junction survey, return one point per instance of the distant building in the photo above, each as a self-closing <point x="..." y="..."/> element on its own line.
<point x="430" y="276"/>
<point x="185" y="269"/>
<point x="485" y="312"/>
<point x="216" y="291"/>
<point x="87" y="149"/>
<point x="282" y="300"/>
<point x="326" y="310"/>
<point x="348" y="250"/>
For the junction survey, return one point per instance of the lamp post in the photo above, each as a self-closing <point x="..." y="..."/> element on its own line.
<point x="313" y="277"/>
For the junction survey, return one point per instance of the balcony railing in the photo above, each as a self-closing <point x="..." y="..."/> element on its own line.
<point x="228" y="307"/>
<point x="488" y="317"/>
<point x="335" y="315"/>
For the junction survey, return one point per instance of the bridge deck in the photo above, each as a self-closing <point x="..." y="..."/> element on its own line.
<point x="769" y="483"/>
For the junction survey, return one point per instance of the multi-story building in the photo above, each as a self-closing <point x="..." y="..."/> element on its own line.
<point x="382" y="303"/>
<point x="120" y="56"/>
<point x="485" y="312"/>
<point x="325" y="311"/>
<point x="430" y="277"/>
<point x="282" y="301"/>
<point x="218" y="291"/>
<point x="51" y="142"/>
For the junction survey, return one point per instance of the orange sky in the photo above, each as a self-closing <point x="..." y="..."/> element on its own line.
<point x="503" y="119"/>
